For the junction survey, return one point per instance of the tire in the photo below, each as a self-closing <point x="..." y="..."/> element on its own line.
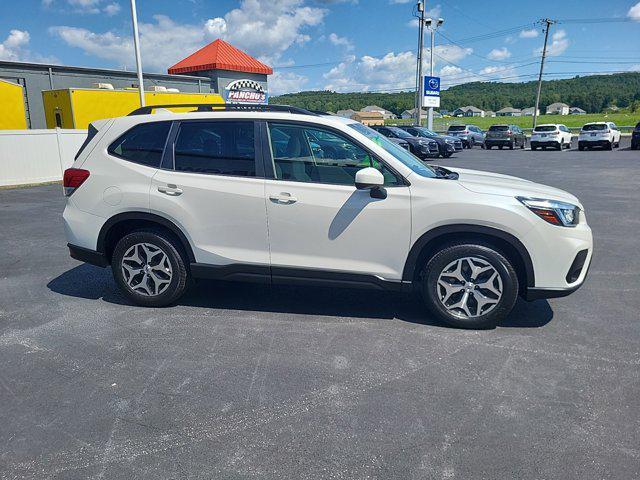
<point x="488" y="147"/>
<point x="609" y="146"/>
<point x="148" y="286"/>
<point x="534" y="148"/>
<point x="500" y="292"/>
<point x="560" y="146"/>
<point x="511" y="145"/>
<point x="524" y="144"/>
<point x="580" y="147"/>
<point x="634" y="146"/>
<point x="500" y="147"/>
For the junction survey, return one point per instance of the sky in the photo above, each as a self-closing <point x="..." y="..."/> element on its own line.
<point x="340" y="45"/>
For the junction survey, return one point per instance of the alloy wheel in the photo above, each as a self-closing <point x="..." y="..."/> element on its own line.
<point x="469" y="287"/>
<point x="146" y="269"/>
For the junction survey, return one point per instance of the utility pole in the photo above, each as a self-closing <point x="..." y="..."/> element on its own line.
<point x="548" y="22"/>
<point x="418" y="99"/>
<point x="433" y="24"/>
<point x="136" y="46"/>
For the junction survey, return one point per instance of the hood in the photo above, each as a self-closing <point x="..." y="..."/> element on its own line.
<point x="449" y="137"/>
<point x="506" y="185"/>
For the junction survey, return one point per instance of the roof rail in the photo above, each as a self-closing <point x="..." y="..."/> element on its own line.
<point x="217" y="107"/>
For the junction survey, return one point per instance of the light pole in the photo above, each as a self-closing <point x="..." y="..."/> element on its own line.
<point x="432" y="25"/>
<point x="136" y="46"/>
<point x="418" y="100"/>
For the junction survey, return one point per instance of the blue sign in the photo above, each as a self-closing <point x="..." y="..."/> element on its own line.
<point x="431" y="92"/>
<point x="431" y="86"/>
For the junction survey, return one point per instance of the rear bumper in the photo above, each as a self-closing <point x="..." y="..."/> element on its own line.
<point x="594" y="143"/>
<point x="499" y="141"/>
<point x="88" y="256"/>
<point x="544" y="143"/>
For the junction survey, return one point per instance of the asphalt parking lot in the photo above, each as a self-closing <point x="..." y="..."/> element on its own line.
<point x="243" y="381"/>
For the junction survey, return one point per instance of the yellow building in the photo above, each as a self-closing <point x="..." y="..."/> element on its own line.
<point x="13" y="116"/>
<point x="77" y="107"/>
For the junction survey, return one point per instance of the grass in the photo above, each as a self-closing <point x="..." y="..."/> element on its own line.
<point x="571" y="121"/>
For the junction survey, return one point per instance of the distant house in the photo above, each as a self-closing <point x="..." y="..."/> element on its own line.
<point x="528" y="112"/>
<point x="386" y="114"/>
<point x="369" y="118"/>
<point x="557" y="108"/>
<point x="348" y="113"/>
<point x="489" y="113"/>
<point x="408" y="113"/>
<point x="509" y="112"/>
<point x="468" y="111"/>
<point x="577" y="111"/>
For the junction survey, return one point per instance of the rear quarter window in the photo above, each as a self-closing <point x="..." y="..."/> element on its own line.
<point x="142" y="144"/>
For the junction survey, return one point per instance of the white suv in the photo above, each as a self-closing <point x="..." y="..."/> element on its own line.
<point x="553" y="135"/>
<point x="282" y="195"/>
<point x="599" y="134"/>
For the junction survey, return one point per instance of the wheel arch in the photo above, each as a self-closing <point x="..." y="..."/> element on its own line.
<point x="123" y="223"/>
<point x="429" y="242"/>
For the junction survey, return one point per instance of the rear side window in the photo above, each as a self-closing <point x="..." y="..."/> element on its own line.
<point x="216" y="148"/>
<point x="142" y="144"/>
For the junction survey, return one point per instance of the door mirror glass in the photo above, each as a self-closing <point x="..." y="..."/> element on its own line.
<point x="369" y="178"/>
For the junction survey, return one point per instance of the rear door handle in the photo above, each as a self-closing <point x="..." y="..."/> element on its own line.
<point x="169" y="189"/>
<point x="283" y="197"/>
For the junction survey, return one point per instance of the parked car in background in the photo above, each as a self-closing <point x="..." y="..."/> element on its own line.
<point x="469" y="134"/>
<point x="635" y="138"/>
<point x="599" y="134"/>
<point x="505" y="136"/>
<point x="447" y="145"/>
<point x="420" y="147"/>
<point x="261" y="196"/>
<point x="551" y="135"/>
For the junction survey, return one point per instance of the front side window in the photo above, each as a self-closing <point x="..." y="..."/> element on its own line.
<point x="143" y="144"/>
<point x="216" y="148"/>
<point x="315" y="155"/>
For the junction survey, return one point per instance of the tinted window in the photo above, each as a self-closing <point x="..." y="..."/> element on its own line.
<point x="216" y="148"/>
<point x="142" y="144"/>
<point x="457" y="128"/>
<point x="592" y="127"/>
<point x="400" y="133"/>
<point x="91" y="132"/>
<point x="499" y="128"/>
<point x="308" y="154"/>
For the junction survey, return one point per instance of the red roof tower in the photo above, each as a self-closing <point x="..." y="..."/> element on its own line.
<point x="219" y="55"/>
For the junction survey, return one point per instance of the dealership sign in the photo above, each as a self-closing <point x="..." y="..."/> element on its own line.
<point x="431" y="92"/>
<point x="245" y="91"/>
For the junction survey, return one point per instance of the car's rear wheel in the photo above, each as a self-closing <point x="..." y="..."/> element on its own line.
<point x="511" y="145"/>
<point x="609" y="146"/>
<point x="149" y="268"/>
<point x="469" y="285"/>
<point x="534" y="148"/>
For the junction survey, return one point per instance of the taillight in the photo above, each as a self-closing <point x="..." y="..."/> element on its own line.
<point x="73" y="178"/>
<point x="509" y="133"/>
<point x="466" y="132"/>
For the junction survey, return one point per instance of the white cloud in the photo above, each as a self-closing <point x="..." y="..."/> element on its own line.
<point x="634" y="12"/>
<point x="392" y="2"/>
<point x="340" y="41"/>
<point x="499" y="53"/>
<point x="265" y="29"/>
<point x="15" y="45"/>
<point x="497" y="72"/>
<point x="532" y="33"/>
<point x="559" y="44"/>
<point x="287" y="82"/>
<point x="111" y="9"/>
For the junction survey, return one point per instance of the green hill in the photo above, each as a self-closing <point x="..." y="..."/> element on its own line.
<point x="592" y="93"/>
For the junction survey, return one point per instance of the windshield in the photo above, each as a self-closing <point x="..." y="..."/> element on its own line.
<point x="457" y="128"/>
<point x="425" y="132"/>
<point x="499" y="128"/>
<point x="595" y="127"/>
<point x="545" y="128"/>
<point x="401" y="133"/>
<point x="399" y="153"/>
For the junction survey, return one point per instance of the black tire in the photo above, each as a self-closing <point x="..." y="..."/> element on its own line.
<point x="488" y="147"/>
<point x="634" y="146"/>
<point x="500" y="147"/>
<point x="534" y="148"/>
<point x="609" y="146"/>
<point x="524" y="144"/>
<point x="176" y="258"/>
<point x="430" y="290"/>
<point x="511" y="145"/>
<point x="580" y="148"/>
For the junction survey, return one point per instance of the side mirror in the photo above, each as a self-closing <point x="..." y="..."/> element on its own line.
<point x="371" y="179"/>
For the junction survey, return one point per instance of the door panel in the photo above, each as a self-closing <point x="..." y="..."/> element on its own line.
<point x="216" y="193"/>
<point x="338" y="228"/>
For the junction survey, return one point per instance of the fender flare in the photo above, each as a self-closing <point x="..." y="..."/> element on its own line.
<point x="149" y="217"/>
<point x="417" y="248"/>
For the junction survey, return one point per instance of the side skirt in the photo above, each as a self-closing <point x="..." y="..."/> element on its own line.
<point x="295" y="276"/>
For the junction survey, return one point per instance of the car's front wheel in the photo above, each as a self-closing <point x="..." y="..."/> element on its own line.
<point x="469" y="285"/>
<point x="149" y="268"/>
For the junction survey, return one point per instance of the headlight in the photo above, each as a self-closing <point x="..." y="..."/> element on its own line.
<point x="423" y="142"/>
<point x="448" y="140"/>
<point x="552" y="211"/>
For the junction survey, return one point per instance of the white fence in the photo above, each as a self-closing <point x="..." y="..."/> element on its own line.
<point x="37" y="156"/>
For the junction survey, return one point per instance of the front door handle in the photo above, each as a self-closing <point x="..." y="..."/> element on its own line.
<point x="284" y="198"/>
<point x="169" y="189"/>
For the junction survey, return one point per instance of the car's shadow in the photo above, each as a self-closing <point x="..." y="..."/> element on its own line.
<point x="89" y="282"/>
